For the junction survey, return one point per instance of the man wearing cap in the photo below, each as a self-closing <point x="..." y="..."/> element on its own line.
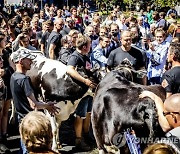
<point x="21" y="87"/>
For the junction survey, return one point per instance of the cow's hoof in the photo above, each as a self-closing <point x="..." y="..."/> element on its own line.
<point x="101" y="152"/>
<point x="59" y="146"/>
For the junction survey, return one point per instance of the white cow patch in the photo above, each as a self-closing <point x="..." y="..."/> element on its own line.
<point x="49" y="65"/>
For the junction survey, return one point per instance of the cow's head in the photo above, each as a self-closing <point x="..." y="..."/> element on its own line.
<point x="127" y="71"/>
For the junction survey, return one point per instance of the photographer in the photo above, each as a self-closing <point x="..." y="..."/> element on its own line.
<point x="115" y="37"/>
<point x="157" y="55"/>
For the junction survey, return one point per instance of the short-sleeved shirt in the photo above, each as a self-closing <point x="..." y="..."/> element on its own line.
<point x="44" y="40"/>
<point x="80" y="61"/>
<point x="134" y="56"/>
<point x="21" y="88"/>
<point x="171" y="80"/>
<point x="54" y="38"/>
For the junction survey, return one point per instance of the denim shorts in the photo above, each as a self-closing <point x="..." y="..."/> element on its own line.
<point x="84" y="106"/>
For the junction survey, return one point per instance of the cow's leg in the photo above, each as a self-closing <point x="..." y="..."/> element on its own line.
<point x="12" y="117"/>
<point x="57" y="136"/>
<point x="101" y="151"/>
<point x="54" y="132"/>
<point x="98" y="134"/>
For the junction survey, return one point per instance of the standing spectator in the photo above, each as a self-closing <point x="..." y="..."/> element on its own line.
<point x="54" y="44"/>
<point x="59" y="14"/>
<point x="75" y="17"/>
<point x="74" y="35"/>
<point x="42" y="16"/>
<point x="157" y="55"/>
<point x="22" y="91"/>
<point x="170" y="79"/>
<point x="177" y="8"/>
<point x="96" y="24"/>
<point x="142" y="28"/>
<point x="171" y="10"/>
<point x="125" y="52"/>
<point x="26" y="21"/>
<point x="149" y="14"/>
<point x="121" y="22"/>
<point x="89" y="31"/>
<point x="86" y="17"/>
<point x="162" y="21"/>
<point x="69" y="25"/>
<point x="151" y="33"/>
<point x="5" y="73"/>
<point x="79" y="59"/>
<point x="155" y="17"/>
<point x="22" y="40"/>
<point x="168" y="117"/>
<point x="99" y="55"/>
<point x="103" y="31"/>
<point x="66" y="49"/>
<point x="115" y="36"/>
<point x="172" y="19"/>
<point x="44" y="35"/>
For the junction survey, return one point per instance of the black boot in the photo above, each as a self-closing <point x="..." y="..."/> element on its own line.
<point x="89" y="140"/>
<point x="4" y="139"/>
<point x="81" y="145"/>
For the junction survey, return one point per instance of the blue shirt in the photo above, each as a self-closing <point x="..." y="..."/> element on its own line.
<point x="98" y="57"/>
<point x="156" y="66"/>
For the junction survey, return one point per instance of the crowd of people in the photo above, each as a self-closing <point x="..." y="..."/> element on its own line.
<point x="147" y="40"/>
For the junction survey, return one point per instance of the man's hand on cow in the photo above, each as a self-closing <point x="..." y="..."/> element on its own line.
<point x="158" y="101"/>
<point x="147" y="94"/>
<point x="51" y="108"/>
<point x="90" y="83"/>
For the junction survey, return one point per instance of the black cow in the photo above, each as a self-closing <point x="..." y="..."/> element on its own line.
<point x="117" y="107"/>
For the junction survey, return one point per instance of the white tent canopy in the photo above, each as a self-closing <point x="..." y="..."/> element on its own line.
<point x="16" y="1"/>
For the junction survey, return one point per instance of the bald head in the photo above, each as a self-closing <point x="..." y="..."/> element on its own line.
<point x="58" y="20"/>
<point x="125" y="33"/>
<point x="58" y="24"/>
<point x="172" y="103"/>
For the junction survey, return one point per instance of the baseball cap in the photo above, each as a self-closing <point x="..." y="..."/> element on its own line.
<point x="21" y="53"/>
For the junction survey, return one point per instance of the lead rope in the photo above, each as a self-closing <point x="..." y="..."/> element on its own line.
<point x="133" y="143"/>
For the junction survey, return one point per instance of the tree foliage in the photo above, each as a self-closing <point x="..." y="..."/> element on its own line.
<point x="158" y="3"/>
<point x="166" y="3"/>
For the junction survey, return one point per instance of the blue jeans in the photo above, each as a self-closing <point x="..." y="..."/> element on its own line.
<point x="84" y="106"/>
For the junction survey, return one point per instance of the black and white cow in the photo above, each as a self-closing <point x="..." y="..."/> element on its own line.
<point x="117" y="107"/>
<point x="49" y="79"/>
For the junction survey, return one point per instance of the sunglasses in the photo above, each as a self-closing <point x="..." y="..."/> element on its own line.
<point x="172" y="114"/>
<point x="167" y="113"/>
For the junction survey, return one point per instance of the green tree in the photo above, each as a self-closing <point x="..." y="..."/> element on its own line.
<point x="165" y="3"/>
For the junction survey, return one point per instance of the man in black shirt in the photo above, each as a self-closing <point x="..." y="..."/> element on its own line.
<point x="21" y="87"/>
<point x="69" y="25"/>
<point x="125" y="52"/>
<point x="171" y="78"/>
<point x="54" y="40"/>
<point x="79" y="59"/>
